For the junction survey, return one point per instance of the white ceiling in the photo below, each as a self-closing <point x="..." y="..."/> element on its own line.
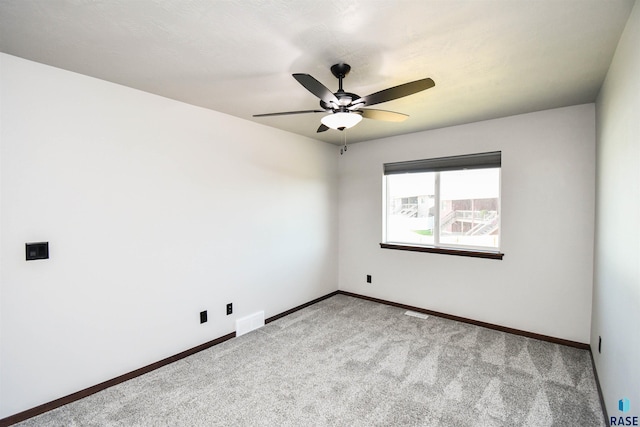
<point x="488" y="58"/>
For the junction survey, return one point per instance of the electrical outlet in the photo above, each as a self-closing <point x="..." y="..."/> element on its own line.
<point x="368" y="278"/>
<point x="203" y="316"/>
<point x="599" y="344"/>
<point x="229" y="308"/>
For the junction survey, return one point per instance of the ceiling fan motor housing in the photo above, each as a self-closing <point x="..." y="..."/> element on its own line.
<point x="340" y="71"/>
<point x="344" y="99"/>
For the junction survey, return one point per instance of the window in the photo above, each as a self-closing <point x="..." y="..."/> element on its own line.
<point x="446" y="205"/>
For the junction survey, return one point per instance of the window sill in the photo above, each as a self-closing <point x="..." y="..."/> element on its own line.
<point x="431" y="249"/>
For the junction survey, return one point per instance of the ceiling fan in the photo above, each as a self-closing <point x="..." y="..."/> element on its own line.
<point x="345" y="108"/>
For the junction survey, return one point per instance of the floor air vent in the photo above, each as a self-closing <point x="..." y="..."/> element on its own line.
<point x="249" y="323"/>
<point x="416" y="314"/>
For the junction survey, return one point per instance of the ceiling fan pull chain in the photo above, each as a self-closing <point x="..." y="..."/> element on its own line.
<point x="344" y="149"/>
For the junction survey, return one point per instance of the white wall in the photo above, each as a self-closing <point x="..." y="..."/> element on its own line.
<point x="544" y="283"/>
<point x="616" y="294"/>
<point x="154" y="210"/>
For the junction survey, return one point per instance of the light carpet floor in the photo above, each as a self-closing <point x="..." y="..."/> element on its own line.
<point x="350" y="362"/>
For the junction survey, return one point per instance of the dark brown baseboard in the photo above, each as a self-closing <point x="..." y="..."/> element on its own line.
<point x="16" y="418"/>
<point x="555" y="340"/>
<point x="41" y="409"/>
<point x="300" y="307"/>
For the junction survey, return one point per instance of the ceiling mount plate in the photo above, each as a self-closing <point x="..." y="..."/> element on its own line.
<point x="340" y="70"/>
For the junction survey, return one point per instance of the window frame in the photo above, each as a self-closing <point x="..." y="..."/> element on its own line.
<point x="486" y="160"/>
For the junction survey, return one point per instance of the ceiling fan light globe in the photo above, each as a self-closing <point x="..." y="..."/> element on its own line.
<point x="341" y="120"/>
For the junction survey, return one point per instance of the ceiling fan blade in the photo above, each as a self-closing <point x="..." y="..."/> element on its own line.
<point x="315" y="87"/>
<point x="322" y="128"/>
<point x="387" y="116"/>
<point x="395" y="92"/>
<point x="284" y="113"/>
